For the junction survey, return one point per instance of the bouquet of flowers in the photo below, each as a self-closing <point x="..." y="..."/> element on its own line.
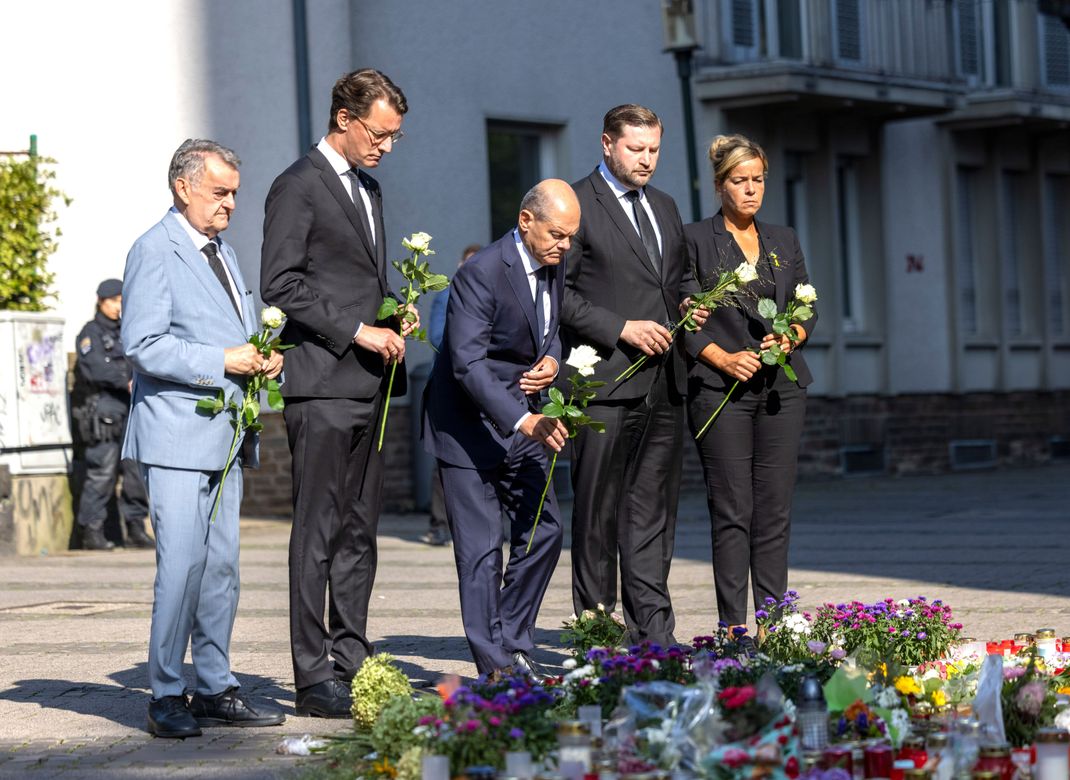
<point x="245" y="412"/>
<point x="593" y="628"/>
<point x="420" y="280"/>
<point x="571" y="412"/>
<point x="723" y="292"/>
<point x="798" y="310"/>
<point x="608" y="671"/>
<point x="1028" y="701"/>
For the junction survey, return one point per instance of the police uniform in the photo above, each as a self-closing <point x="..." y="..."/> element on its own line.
<point x="100" y="405"/>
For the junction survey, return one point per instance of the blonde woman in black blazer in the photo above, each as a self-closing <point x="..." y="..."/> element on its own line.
<point x="749" y="454"/>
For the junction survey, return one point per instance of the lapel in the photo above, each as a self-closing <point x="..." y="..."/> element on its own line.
<point x="251" y="321"/>
<point x="517" y="273"/>
<point x="724" y="246"/>
<point x="339" y="193"/>
<point x="664" y="219"/>
<point x="780" y="271"/>
<point x="605" y="195"/>
<point x="376" y="195"/>
<point x="198" y="266"/>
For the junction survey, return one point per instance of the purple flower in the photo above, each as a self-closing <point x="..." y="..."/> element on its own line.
<point x="760" y="614"/>
<point x="922" y="635"/>
<point x="816" y="647"/>
<point x="838" y="654"/>
<point x="739" y="630"/>
<point x="515" y="733"/>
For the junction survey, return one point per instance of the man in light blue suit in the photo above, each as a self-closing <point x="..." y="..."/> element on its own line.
<point x="187" y="320"/>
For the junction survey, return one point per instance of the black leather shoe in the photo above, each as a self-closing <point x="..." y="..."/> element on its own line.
<point x="170" y="717"/>
<point x="522" y="663"/>
<point x="328" y="699"/>
<point x="93" y="539"/>
<point x="231" y="708"/>
<point x="136" y="537"/>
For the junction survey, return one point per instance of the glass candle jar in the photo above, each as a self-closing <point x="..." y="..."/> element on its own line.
<point x="1045" y="642"/>
<point x="877" y="760"/>
<point x="573" y="749"/>
<point x="838" y="757"/>
<point x="996" y="758"/>
<point x="1053" y="754"/>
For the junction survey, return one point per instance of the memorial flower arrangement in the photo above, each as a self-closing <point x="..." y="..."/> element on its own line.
<point x="723" y="293"/>
<point x="420" y="280"/>
<point x="593" y="628"/>
<point x="245" y="411"/>
<point x="1027" y="699"/>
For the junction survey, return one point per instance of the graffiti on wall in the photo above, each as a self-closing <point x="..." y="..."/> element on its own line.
<point x="42" y="514"/>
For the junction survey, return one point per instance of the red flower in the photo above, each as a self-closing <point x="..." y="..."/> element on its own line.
<point x="734" y="757"/>
<point x="733" y="697"/>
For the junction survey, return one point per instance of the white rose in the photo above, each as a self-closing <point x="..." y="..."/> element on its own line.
<point x="569" y="663"/>
<point x="746" y="273"/>
<point x="417" y="242"/>
<point x="805" y="293"/>
<point x="583" y="359"/>
<point x="271" y="317"/>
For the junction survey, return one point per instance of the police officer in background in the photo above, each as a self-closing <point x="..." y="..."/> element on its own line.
<point x="100" y="405"/>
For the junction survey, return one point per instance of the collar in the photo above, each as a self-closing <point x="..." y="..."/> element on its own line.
<point x="106" y="322"/>
<point x="614" y="183"/>
<point x="337" y="162"/>
<point x="198" y="238"/>
<point x="531" y="265"/>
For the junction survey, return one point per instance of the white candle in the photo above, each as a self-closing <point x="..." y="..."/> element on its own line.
<point x="1053" y="754"/>
<point x="436" y="767"/>
<point x="518" y="764"/>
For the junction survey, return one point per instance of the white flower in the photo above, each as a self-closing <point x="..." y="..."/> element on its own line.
<point x="569" y="663"/>
<point x="418" y="242"/>
<point x="901" y="722"/>
<point x="583" y="359"/>
<point x="805" y="293"/>
<point x="271" y="317"/>
<point x="746" y="273"/>
<point x="601" y="607"/>
<point x="797" y="624"/>
<point x="888" y="698"/>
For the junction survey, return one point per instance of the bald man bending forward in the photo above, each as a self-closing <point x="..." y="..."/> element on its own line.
<point x="481" y="422"/>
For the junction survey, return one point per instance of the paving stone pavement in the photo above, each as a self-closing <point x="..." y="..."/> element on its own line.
<point x="73" y="627"/>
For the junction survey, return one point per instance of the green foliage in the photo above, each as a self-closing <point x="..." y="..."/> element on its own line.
<point x="593" y="628"/>
<point x="377" y="682"/>
<point x="392" y="734"/>
<point x="26" y="238"/>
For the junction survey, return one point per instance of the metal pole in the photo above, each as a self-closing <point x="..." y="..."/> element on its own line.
<point x="304" y="122"/>
<point x="33" y="145"/>
<point x="683" y="68"/>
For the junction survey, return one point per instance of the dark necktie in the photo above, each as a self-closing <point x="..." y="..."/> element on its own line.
<point x="215" y="262"/>
<point x="542" y="289"/>
<point x="646" y="230"/>
<point x="358" y="202"/>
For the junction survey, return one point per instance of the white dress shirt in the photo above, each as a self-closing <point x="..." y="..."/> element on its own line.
<point x="532" y="265"/>
<point x="200" y="240"/>
<point x="620" y="191"/>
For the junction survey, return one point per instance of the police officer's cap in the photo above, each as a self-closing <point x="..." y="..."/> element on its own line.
<point x="109" y="288"/>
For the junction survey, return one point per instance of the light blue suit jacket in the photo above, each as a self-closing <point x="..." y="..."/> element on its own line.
<point x="177" y="320"/>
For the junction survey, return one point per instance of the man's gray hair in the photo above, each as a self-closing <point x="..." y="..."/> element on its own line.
<point x="537" y="201"/>
<point x="188" y="160"/>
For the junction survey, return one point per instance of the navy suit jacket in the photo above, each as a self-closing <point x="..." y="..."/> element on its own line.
<point x="473" y="398"/>
<point x="711" y="249"/>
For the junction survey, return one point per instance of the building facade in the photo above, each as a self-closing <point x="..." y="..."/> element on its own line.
<point x="919" y="147"/>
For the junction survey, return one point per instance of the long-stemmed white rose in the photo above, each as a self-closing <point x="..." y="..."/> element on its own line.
<point x="420" y="280"/>
<point x="582" y="358"/>
<point x="798" y="310"/>
<point x="729" y="284"/>
<point x="245" y="416"/>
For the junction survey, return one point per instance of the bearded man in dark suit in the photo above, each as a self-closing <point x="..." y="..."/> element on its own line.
<point x="627" y="282"/>
<point x="324" y="264"/>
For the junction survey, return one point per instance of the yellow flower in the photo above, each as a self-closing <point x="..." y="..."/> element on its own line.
<point x="1065" y="690"/>
<point x="939" y="698"/>
<point x="907" y="686"/>
<point x="384" y="768"/>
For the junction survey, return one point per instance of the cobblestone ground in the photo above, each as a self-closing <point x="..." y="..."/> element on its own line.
<point x="73" y="627"/>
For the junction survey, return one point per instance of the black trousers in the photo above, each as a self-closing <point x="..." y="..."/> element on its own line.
<point x="337" y="493"/>
<point x="626" y="483"/>
<point x="438" y="501"/>
<point x="499" y="606"/>
<point x="102" y="470"/>
<point x="749" y="458"/>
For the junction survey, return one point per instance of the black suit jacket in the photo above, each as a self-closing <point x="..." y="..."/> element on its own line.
<point x="319" y="266"/>
<point x="474" y="399"/>
<point x="610" y="280"/>
<point x="711" y="249"/>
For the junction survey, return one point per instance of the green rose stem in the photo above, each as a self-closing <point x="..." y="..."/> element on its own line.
<point x="542" y="500"/>
<point x="713" y="417"/>
<point x="409" y="300"/>
<point x="238" y="428"/>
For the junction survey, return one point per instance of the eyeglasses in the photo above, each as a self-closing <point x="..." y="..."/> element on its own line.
<point x="378" y="137"/>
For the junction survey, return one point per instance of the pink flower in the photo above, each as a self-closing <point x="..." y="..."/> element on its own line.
<point x="734" y="758"/>
<point x="1013" y="672"/>
<point x="1030" y="698"/>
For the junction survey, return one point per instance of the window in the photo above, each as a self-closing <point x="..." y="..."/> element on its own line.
<point x="968" y="38"/>
<point x="741" y="30"/>
<point x="789" y="29"/>
<point x="1054" y="51"/>
<point x="847" y="30"/>
<point x="1057" y="252"/>
<point x="965" y="250"/>
<point x="519" y="155"/>
<point x="795" y="196"/>
<point x="850" y="247"/>
<point x="1010" y="247"/>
